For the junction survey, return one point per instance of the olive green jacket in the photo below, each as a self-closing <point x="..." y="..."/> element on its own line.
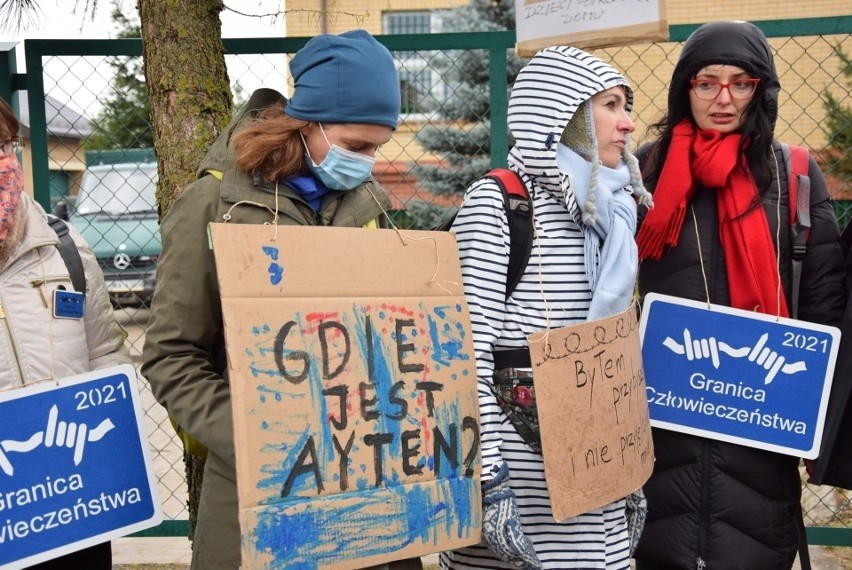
<point x="184" y="356"/>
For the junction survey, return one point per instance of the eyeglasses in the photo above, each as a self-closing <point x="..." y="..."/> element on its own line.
<point x="10" y="146"/>
<point x="710" y="88"/>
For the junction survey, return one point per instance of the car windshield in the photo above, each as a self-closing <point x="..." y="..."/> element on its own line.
<point x="118" y="191"/>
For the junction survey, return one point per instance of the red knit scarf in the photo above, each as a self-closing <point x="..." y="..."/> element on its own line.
<point x="710" y="159"/>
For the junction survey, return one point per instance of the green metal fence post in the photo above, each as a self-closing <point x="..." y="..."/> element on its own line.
<point x="8" y="68"/>
<point x="38" y="124"/>
<point x="498" y="84"/>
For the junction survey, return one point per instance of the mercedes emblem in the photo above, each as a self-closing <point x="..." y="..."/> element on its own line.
<point x="121" y="261"/>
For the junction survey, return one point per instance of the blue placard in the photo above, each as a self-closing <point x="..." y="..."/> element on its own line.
<point x="74" y="466"/>
<point x="733" y="375"/>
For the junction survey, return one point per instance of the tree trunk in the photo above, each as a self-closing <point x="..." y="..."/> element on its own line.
<point x="190" y="100"/>
<point x="188" y="86"/>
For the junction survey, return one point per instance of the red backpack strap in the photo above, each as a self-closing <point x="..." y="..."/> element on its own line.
<point x="518" y="204"/>
<point x="799" y="192"/>
<point x="799" y="184"/>
<point x="519" y="210"/>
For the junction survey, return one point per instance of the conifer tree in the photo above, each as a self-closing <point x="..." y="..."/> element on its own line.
<point x="124" y="121"/>
<point x="460" y="133"/>
<point x="838" y="120"/>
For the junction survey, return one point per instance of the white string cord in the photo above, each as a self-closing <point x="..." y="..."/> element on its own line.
<point x="700" y="255"/>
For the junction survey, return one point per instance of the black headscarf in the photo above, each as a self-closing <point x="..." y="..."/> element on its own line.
<point x="725" y="43"/>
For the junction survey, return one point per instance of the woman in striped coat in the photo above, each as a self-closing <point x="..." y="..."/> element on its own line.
<point x="569" y="115"/>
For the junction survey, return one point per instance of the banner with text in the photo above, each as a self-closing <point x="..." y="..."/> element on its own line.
<point x="748" y="378"/>
<point x="588" y="23"/>
<point x="75" y="468"/>
<point x="590" y="390"/>
<point x="353" y="382"/>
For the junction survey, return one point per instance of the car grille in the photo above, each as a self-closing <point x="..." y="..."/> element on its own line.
<point x="127" y="264"/>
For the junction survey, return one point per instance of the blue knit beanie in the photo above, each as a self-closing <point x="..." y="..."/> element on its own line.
<point x="350" y="78"/>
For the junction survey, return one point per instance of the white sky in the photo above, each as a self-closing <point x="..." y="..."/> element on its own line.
<point x="82" y="84"/>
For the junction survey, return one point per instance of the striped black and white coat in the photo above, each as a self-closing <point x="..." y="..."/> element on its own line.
<point x="553" y="292"/>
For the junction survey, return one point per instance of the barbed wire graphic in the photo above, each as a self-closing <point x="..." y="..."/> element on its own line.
<point x="56" y="433"/>
<point x="696" y="349"/>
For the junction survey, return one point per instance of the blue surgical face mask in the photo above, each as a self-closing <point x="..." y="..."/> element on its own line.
<point x="342" y="169"/>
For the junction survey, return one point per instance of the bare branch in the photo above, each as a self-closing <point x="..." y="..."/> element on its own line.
<point x="89" y="7"/>
<point x="276" y="14"/>
<point x="316" y="16"/>
<point x="19" y="15"/>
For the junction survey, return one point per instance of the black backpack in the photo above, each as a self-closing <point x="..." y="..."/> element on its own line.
<point x="519" y="213"/>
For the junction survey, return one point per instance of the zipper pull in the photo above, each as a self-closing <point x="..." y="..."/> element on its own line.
<point x="39" y="284"/>
<point x="700" y="565"/>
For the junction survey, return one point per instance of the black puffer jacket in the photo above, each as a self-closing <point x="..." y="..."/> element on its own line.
<point x="710" y="499"/>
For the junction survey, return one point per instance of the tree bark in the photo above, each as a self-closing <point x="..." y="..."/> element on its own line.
<point x="188" y="86"/>
<point x="190" y="101"/>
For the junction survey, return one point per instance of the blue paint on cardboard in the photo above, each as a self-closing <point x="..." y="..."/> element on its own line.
<point x="319" y="423"/>
<point x="278" y="473"/>
<point x="302" y="530"/>
<point x="448" y="346"/>
<point x="276" y="273"/>
<point x="383" y="379"/>
<point x="257" y="371"/>
<point x="271" y="251"/>
<point x="381" y="521"/>
<point x="445" y="416"/>
<point x="261" y="329"/>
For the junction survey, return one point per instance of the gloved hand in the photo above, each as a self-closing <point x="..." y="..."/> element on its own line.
<point x="636" y="511"/>
<point x="501" y="524"/>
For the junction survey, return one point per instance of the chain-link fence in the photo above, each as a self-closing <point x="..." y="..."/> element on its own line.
<point x="89" y="151"/>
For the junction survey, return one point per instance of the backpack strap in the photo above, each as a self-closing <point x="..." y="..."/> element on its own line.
<point x="518" y="205"/>
<point x="68" y="251"/>
<point x="799" y="192"/>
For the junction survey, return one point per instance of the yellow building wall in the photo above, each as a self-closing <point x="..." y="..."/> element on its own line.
<point x="806" y="65"/>
<point x="692" y="11"/>
<point x="63" y="154"/>
<point x="305" y="17"/>
<point x="807" y="68"/>
<point x="67" y="155"/>
<point x="312" y="17"/>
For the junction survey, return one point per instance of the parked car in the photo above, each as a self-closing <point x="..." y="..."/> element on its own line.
<point x="116" y="212"/>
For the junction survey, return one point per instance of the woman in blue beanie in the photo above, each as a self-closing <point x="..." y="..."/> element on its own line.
<point x="306" y="161"/>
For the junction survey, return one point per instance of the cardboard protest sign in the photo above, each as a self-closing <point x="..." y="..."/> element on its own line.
<point x="756" y="380"/>
<point x="595" y="432"/>
<point x="75" y="468"/>
<point x="588" y="23"/>
<point x="353" y="385"/>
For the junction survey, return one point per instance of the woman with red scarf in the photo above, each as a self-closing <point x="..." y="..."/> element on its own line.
<point x="720" y="232"/>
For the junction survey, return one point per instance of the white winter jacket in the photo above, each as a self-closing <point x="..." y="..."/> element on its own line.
<point x="35" y="346"/>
